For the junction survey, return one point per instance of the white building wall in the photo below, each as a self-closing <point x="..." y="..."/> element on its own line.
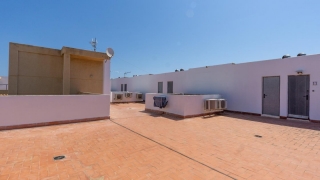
<point x="106" y="77"/>
<point x="149" y="83"/>
<point x="239" y="84"/>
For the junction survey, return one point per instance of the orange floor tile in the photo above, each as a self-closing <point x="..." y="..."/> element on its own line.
<point x="138" y="145"/>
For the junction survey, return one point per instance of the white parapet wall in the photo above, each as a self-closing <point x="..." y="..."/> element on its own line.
<point x="181" y="105"/>
<point x="131" y="98"/>
<point x="30" y="111"/>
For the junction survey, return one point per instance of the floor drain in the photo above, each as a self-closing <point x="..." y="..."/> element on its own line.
<point x="258" y="136"/>
<point x="59" y="157"/>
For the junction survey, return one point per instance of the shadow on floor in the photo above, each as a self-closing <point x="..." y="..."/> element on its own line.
<point x="305" y="124"/>
<point x="161" y="114"/>
<point x="290" y="123"/>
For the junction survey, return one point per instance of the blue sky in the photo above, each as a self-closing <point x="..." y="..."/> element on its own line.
<point x="150" y="36"/>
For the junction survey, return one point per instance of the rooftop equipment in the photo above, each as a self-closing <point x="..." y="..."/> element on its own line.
<point x="215" y="104"/>
<point x="128" y="95"/>
<point x="118" y="96"/>
<point x="286" y="56"/>
<point x="301" y="54"/>
<point x="139" y="96"/>
<point x="160" y="101"/>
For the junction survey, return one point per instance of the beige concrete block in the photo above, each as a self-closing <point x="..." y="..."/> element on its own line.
<point x="39" y="86"/>
<point x="13" y="59"/>
<point x="32" y="64"/>
<point x="37" y="49"/>
<point x="66" y="74"/>
<point x="86" y="85"/>
<point x="2" y="92"/>
<point x="37" y="70"/>
<point x="85" y="54"/>
<point x="13" y="85"/>
<point x="86" y="69"/>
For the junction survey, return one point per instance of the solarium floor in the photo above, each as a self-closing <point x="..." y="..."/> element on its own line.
<point x="138" y="145"/>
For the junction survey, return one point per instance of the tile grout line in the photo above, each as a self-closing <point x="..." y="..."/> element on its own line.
<point x="172" y="149"/>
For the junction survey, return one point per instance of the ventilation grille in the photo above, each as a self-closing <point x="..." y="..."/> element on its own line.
<point x="139" y="96"/>
<point x="118" y="97"/>
<point x="215" y="104"/>
<point x="211" y="104"/>
<point x="128" y="95"/>
<point x="223" y="104"/>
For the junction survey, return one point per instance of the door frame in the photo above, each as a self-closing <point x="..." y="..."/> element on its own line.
<point x="263" y="94"/>
<point x="298" y="116"/>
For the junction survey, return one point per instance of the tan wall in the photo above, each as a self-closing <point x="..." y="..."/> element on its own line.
<point x="43" y="71"/>
<point x="39" y="74"/>
<point x="3" y="92"/>
<point x="86" y="76"/>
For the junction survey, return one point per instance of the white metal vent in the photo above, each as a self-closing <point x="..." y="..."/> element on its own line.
<point x="128" y="95"/>
<point x="223" y="104"/>
<point x="211" y="104"/>
<point x="139" y="96"/>
<point x="215" y="104"/>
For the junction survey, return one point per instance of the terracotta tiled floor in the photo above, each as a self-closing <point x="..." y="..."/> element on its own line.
<point x="138" y="145"/>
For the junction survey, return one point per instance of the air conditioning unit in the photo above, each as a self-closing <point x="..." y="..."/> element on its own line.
<point x="211" y="104"/>
<point x="139" y="96"/>
<point x="215" y="104"/>
<point x="128" y="95"/>
<point x="118" y="96"/>
<point x="223" y="104"/>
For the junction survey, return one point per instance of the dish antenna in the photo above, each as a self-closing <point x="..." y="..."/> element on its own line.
<point x="94" y="43"/>
<point x="109" y="52"/>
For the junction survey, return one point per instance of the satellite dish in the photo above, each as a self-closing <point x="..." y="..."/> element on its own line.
<point x="110" y="52"/>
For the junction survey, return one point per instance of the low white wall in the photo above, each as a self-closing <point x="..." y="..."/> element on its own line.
<point x="106" y="77"/>
<point x="184" y="105"/>
<point x="19" y="110"/>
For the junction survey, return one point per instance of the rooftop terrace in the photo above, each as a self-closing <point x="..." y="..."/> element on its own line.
<point x="136" y="145"/>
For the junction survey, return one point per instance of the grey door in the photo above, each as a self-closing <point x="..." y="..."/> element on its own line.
<point x="298" y="96"/>
<point x="271" y="96"/>
<point x="170" y="87"/>
<point x="160" y="87"/>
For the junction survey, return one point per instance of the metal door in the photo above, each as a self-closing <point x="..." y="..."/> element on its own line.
<point x="160" y="87"/>
<point x="170" y="87"/>
<point x="271" y="96"/>
<point x="298" y="96"/>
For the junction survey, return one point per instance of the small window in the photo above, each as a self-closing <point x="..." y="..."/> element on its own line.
<point x="121" y="87"/>
<point x="125" y="87"/>
<point x="170" y="87"/>
<point x="160" y="87"/>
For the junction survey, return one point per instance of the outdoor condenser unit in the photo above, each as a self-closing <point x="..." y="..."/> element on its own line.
<point x="128" y="95"/>
<point x="215" y="104"/>
<point x="211" y="104"/>
<point x="118" y="97"/>
<point x="138" y="96"/>
<point x="223" y="104"/>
